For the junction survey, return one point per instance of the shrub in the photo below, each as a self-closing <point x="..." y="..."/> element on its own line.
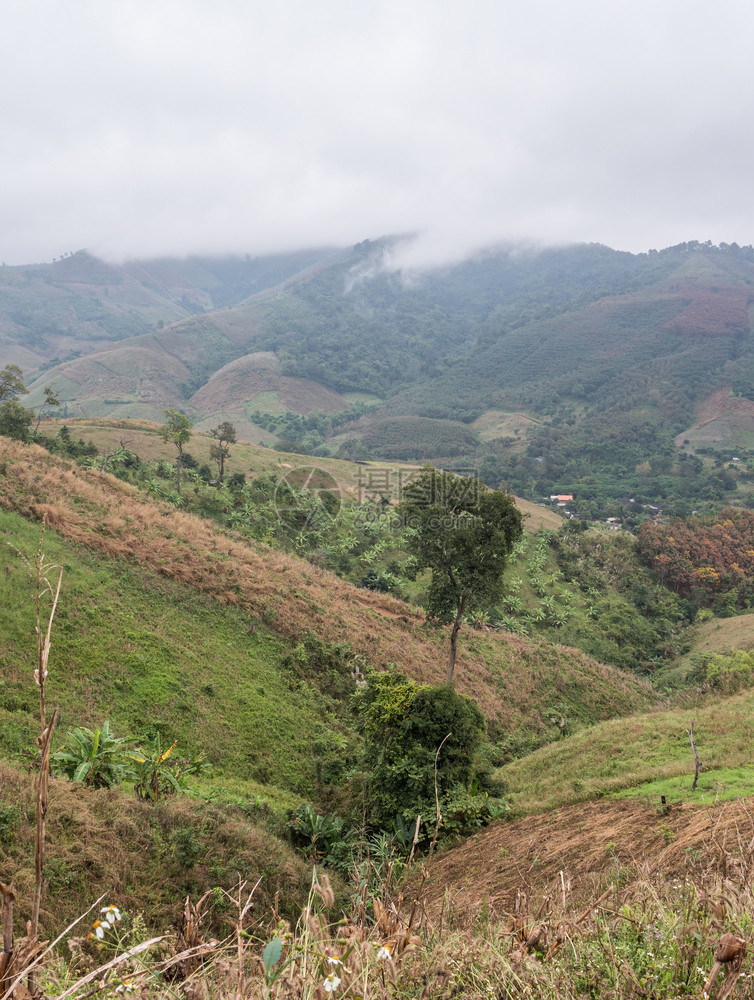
<point x="157" y="773"/>
<point x="94" y="756"/>
<point x="404" y="726"/>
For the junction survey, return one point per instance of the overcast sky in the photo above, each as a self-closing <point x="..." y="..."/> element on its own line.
<point x="144" y="127"/>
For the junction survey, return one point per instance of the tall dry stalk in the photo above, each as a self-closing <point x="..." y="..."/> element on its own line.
<point x="45" y="587"/>
<point x="48" y="578"/>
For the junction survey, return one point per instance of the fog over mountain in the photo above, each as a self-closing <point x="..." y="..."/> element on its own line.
<point x="177" y="127"/>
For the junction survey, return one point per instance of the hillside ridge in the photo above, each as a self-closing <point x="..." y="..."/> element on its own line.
<point x="503" y="673"/>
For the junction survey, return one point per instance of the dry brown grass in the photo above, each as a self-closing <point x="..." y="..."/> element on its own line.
<point x="512" y="679"/>
<point x="109" y="841"/>
<point x="593" y="844"/>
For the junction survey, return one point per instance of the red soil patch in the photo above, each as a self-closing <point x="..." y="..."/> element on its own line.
<point x="722" y="313"/>
<point x="718" y="406"/>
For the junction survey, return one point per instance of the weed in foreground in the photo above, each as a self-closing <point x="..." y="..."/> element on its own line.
<point x="660" y="941"/>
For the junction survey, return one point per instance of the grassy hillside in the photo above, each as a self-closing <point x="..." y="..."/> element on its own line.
<point x="721" y="635"/>
<point x="519" y="684"/>
<point x="152" y="655"/>
<point x="169" y="625"/>
<point x="573" y="587"/>
<point x="142" y="437"/>
<point x="146" y="858"/>
<point x="643" y="755"/>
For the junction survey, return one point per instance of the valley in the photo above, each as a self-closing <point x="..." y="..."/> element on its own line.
<point x="257" y="629"/>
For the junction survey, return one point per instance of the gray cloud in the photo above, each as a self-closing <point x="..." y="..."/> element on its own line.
<point x="174" y="126"/>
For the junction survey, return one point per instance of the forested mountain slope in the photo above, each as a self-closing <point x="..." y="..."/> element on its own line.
<point x="559" y="370"/>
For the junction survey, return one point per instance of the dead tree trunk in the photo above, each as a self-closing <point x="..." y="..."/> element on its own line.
<point x="697" y="763"/>
<point x="7" y="955"/>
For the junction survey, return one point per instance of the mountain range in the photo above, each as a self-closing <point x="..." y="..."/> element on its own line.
<point x="576" y="369"/>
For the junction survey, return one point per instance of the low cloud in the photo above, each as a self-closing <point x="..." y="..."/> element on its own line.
<point x="176" y="127"/>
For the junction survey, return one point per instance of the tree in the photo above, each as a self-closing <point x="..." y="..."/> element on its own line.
<point x="177" y="429"/>
<point x="225" y="433"/>
<point x="403" y="726"/>
<point x="462" y="531"/>
<point x="15" y="420"/>
<point x="11" y="383"/>
<point x="51" y="399"/>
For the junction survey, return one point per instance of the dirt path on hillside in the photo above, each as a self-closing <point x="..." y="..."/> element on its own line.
<point x="592" y="844"/>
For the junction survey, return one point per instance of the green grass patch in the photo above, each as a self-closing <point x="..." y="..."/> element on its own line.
<point x="154" y="656"/>
<point x="636" y="753"/>
<point x="716" y="785"/>
<point x="264" y="402"/>
<point x="368" y="398"/>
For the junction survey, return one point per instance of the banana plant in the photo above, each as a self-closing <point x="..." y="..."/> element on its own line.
<point x="158" y="773"/>
<point x="95" y="757"/>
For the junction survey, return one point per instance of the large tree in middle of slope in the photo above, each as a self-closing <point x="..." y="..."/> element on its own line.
<point x="462" y="531"/>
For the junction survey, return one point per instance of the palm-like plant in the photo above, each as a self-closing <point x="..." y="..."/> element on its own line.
<point x="94" y="756"/>
<point x="158" y="773"/>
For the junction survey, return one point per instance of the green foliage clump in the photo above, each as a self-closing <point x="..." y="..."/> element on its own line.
<point x="95" y="757"/>
<point x="10" y="817"/>
<point x="157" y="773"/>
<point x="408" y="731"/>
<point x="724" y="674"/>
<point x="98" y="758"/>
<point x="316" y="834"/>
<point x="15" y="420"/>
<point x="330" y="665"/>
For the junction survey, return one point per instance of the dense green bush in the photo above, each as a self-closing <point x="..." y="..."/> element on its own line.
<point x="404" y="726"/>
<point x="725" y="674"/>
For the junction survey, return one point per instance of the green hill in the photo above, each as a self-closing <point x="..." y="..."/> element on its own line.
<point x="169" y="626"/>
<point x="644" y="755"/>
<point x="519" y="683"/>
<point x="599" y="359"/>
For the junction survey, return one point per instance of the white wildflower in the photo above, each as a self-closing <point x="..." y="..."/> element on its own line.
<point x="332" y="983"/>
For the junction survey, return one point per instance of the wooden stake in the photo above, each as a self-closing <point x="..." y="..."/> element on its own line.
<point x="7" y="923"/>
<point x="697" y="763"/>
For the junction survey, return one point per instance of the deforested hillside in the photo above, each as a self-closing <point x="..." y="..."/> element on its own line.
<point x="575" y="370"/>
<point x="520" y="684"/>
<point x="581" y="850"/>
